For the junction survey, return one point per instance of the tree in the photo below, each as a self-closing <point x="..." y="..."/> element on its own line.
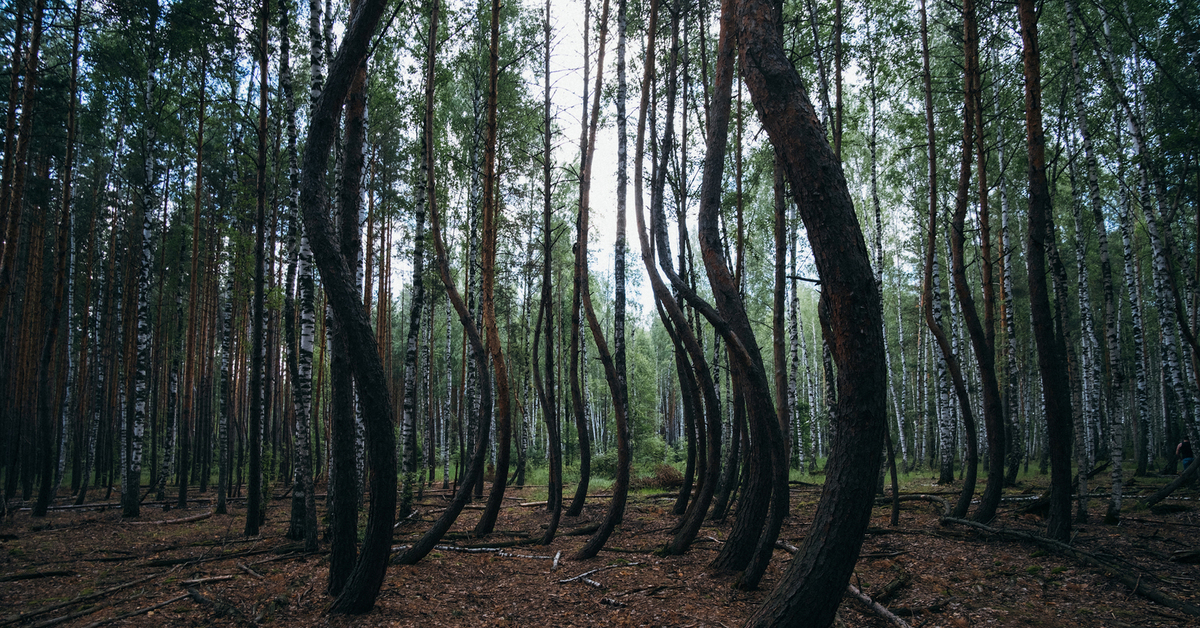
<point x="362" y="588"/>
<point x="810" y="591"/>
<point x="1050" y="350"/>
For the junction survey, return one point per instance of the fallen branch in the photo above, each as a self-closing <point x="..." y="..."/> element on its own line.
<point x="33" y="575"/>
<point x="20" y="617"/>
<point x="876" y="606"/>
<point x="199" y="517"/>
<point x="531" y="504"/>
<point x="250" y="571"/>
<point x="1111" y="570"/>
<point x="205" y="580"/>
<point x="221" y="608"/>
<point x="140" y="611"/>
<point x="584" y="576"/>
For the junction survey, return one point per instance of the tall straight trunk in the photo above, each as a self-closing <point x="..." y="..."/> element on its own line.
<point x="1115" y="399"/>
<point x="68" y="169"/>
<point x="811" y="589"/>
<point x="1015" y="445"/>
<point x="1051" y="362"/>
<point x="255" y="510"/>
<point x="778" y="332"/>
<point x="362" y="588"/>
<point x="303" y="523"/>
<point x="12" y="199"/>
<point x="408" y="418"/>
<point x="10" y="135"/>
<point x="581" y="279"/>
<point x="136" y="420"/>
<point x="47" y="393"/>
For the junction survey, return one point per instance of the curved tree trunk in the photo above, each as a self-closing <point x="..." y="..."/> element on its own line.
<point x="586" y="147"/>
<point x="360" y="591"/>
<point x="491" y="214"/>
<point x="811" y="589"/>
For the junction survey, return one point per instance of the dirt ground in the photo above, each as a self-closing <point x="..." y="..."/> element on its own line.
<point x="88" y="567"/>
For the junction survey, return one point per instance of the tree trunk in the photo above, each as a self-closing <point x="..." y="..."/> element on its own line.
<point x="362" y="588"/>
<point x="546" y="390"/>
<point x="982" y="334"/>
<point x="491" y="214"/>
<point x="1051" y="363"/>
<point x="255" y="508"/>
<point x="811" y="589"/>
<point x="586" y="143"/>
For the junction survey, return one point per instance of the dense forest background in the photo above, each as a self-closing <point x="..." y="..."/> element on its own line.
<point x="164" y="323"/>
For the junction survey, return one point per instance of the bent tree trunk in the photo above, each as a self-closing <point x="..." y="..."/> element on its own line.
<point x="811" y="589"/>
<point x="361" y="590"/>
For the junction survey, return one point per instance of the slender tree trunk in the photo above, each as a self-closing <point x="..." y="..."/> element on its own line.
<point x="255" y="508"/>
<point x="491" y="214"/>
<point x="982" y="334"/>
<point x="303" y="523"/>
<point x="546" y="389"/>
<point x="408" y="440"/>
<point x="1055" y="389"/>
<point x="586" y="143"/>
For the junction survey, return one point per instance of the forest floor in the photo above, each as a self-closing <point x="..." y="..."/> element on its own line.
<point x="88" y="567"/>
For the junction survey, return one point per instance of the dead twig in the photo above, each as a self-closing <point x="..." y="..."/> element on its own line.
<point x="33" y="575"/>
<point x="205" y="580"/>
<point x="250" y="571"/>
<point x="584" y="576"/>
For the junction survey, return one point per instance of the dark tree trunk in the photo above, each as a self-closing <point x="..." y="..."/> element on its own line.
<point x="491" y="213"/>
<point x="1050" y="349"/>
<point x="254" y="502"/>
<point x="811" y="589"/>
<point x="546" y="389"/>
<point x="360" y="592"/>
<point x="982" y="334"/>
<point x="587" y="144"/>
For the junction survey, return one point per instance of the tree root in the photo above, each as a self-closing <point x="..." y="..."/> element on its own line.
<point x="1134" y="583"/>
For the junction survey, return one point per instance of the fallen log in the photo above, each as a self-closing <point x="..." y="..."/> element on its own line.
<point x="1134" y="583"/>
<point x="33" y="575"/>
<point x="876" y="606"/>
<point x="199" y="517"/>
